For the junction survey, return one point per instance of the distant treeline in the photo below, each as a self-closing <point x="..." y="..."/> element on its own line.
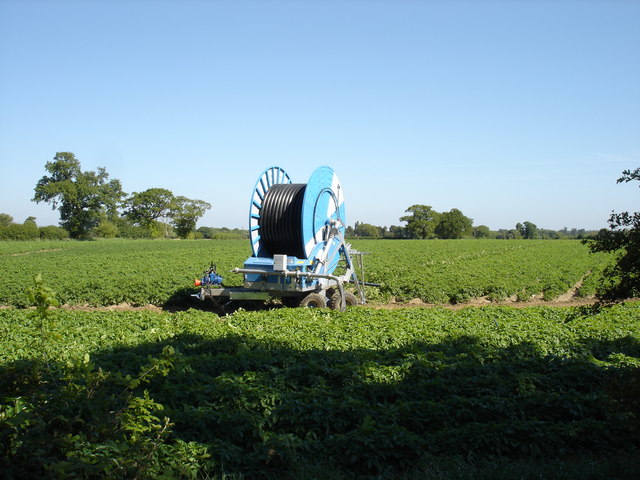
<point x="223" y="233"/>
<point x="113" y="228"/>
<point x="527" y="230"/>
<point x="124" y="228"/>
<point x="119" y="227"/>
<point x="423" y="222"/>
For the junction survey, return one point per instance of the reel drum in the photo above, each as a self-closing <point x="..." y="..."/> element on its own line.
<point x="292" y="219"/>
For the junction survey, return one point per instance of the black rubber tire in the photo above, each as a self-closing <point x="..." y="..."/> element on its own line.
<point x="314" y="300"/>
<point x="349" y="299"/>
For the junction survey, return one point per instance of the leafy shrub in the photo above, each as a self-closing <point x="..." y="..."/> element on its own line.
<point x="105" y="229"/>
<point x="134" y="231"/>
<point x="15" y="231"/>
<point x="52" y="232"/>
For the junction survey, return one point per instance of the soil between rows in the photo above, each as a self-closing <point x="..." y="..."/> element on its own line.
<point x="415" y="303"/>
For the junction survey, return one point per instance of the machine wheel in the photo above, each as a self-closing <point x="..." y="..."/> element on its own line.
<point x="314" y="300"/>
<point x="349" y="299"/>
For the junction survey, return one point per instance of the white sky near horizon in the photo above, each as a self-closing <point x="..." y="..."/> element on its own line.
<point x="510" y="111"/>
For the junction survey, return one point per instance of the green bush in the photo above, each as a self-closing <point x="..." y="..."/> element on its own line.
<point x="106" y="229"/>
<point x="134" y="231"/>
<point x="19" y="232"/>
<point x="51" y="232"/>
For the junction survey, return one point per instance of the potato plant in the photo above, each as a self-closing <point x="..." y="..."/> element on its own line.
<point x="293" y="393"/>
<point x="161" y="272"/>
<point x="454" y="271"/>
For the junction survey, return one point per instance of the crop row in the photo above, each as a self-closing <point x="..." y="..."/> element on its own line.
<point x="99" y="273"/>
<point x="455" y="271"/>
<point x="160" y="272"/>
<point x="365" y="392"/>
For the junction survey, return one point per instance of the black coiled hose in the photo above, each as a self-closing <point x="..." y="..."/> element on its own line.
<point x="281" y="220"/>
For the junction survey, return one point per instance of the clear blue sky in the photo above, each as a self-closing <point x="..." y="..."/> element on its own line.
<point x="509" y="111"/>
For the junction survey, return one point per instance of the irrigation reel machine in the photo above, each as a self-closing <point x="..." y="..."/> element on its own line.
<point x="299" y="254"/>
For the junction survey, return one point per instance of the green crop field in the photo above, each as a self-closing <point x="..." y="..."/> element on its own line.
<point x="288" y="393"/>
<point x="457" y="270"/>
<point x="478" y="392"/>
<point x="161" y="272"/>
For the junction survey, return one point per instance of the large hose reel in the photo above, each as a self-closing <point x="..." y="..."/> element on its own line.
<point x="293" y="219"/>
<point x="299" y="253"/>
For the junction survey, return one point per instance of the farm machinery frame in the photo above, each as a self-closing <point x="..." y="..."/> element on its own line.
<point x="299" y="253"/>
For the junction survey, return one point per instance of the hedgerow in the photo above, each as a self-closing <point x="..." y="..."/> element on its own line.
<point x="20" y="232"/>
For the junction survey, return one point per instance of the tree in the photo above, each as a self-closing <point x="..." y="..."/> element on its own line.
<point x="31" y="227"/>
<point x="126" y="229"/>
<point x="481" y="231"/>
<point x="396" y="231"/>
<point x="453" y="224"/>
<point x="5" y="219"/>
<point x="83" y="198"/>
<point x="366" y="230"/>
<point x="622" y="279"/>
<point x="184" y="214"/>
<point x="207" y="232"/>
<point x="504" y="234"/>
<point x="527" y="230"/>
<point x="145" y="208"/>
<point x="422" y="222"/>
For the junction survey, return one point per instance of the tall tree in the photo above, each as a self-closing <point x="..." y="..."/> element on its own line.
<point x="622" y="279"/>
<point x="397" y="232"/>
<point x="481" y="231"/>
<point x="185" y="213"/>
<point x="82" y="198"/>
<point x="422" y="221"/>
<point x="367" y="230"/>
<point x="527" y="230"/>
<point x="453" y="224"/>
<point x="145" y="208"/>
